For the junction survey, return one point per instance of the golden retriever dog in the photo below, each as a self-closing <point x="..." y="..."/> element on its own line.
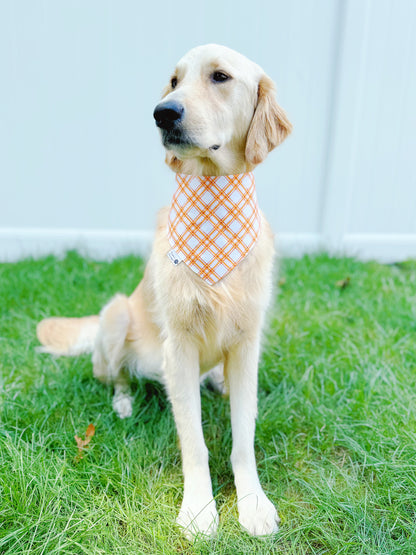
<point x="218" y="117"/>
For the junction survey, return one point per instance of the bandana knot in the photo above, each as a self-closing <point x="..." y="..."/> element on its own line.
<point x="213" y="223"/>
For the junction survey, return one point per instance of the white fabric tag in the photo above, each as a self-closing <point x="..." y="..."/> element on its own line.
<point x="174" y="257"/>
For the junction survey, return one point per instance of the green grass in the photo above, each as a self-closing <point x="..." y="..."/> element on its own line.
<point x="336" y="432"/>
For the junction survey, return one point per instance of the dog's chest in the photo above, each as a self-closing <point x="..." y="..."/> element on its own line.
<point x="213" y="318"/>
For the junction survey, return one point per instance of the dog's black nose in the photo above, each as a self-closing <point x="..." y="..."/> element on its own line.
<point x="168" y="114"/>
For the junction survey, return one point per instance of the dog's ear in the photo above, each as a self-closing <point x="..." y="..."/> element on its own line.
<point x="269" y="126"/>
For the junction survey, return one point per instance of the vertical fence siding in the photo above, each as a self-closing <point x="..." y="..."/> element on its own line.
<point x="81" y="165"/>
<point x="370" y="201"/>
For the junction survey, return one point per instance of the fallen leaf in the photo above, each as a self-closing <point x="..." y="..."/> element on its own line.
<point x="343" y="283"/>
<point x="82" y="444"/>
<point x="282" y="281"/>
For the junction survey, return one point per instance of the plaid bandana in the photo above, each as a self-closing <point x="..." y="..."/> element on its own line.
<point x="213" y="223"/>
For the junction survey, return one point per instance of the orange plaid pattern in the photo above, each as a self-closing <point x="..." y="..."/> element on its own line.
<point x="213" y="223"/>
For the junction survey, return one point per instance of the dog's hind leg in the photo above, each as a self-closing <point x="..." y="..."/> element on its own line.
<point x="215" y="379"/>
<point x="109" y="356"/>
<point x="122" y="399"/>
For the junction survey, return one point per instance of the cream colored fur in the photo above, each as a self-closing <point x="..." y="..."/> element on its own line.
<point x="175" y="327"/>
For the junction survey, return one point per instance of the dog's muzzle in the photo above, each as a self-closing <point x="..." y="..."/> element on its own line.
<point x="168" y="115"/>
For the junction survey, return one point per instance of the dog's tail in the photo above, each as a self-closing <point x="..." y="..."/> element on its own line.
<point x="68" y="336"/>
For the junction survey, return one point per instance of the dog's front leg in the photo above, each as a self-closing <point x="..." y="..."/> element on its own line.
<point x="256" y="513"/>
<point x="198" y="513"/>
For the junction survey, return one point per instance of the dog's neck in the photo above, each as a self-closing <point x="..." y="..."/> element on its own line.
<point x="229" y="160"/>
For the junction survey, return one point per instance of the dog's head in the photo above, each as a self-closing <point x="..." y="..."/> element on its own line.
<point x="219" y="113"/>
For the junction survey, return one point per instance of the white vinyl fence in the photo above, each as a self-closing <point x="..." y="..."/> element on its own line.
<point x="81" y="165"/>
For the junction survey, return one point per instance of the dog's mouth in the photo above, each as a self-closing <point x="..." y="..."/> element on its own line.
<point x="176" y="138"/>
<point x="179" y="140"/>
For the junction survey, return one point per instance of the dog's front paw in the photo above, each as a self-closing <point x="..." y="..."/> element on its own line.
<point x="258" y="515"/>
<point x="197" y="518"/>
<point x="123" y="404"/>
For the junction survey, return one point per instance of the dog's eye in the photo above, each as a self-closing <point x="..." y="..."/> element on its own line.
<point x="219" y="77"/>
<point x="174" y="82"/>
